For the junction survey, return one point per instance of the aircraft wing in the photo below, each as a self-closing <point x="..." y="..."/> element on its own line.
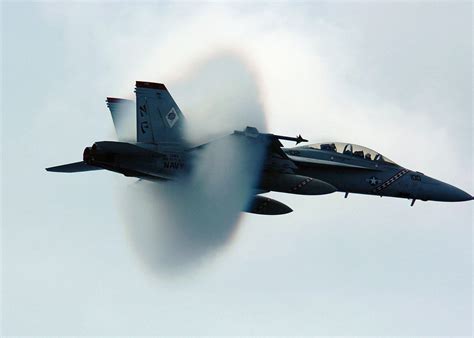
<point x="73" y="167"/>
<point x="276" y="160"/>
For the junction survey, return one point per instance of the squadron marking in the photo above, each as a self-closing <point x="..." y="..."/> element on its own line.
<point x="391" y="180"/>
<point x="172" y="117"/>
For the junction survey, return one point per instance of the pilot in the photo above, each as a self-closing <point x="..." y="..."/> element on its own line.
<point x="328" y="146"/>
<point x="368" y="156"/>
<point x="347" y="149"/>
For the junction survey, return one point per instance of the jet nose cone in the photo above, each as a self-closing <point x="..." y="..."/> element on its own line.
<point x="454" y="194"/>
<point x="440" y="191"/>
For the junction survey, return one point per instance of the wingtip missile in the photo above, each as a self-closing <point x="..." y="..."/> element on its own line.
<point x="300" y="139"/>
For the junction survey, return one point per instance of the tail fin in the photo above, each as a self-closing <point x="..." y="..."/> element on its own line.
<point x="159" y="119"/>
<point x="122" y="112"/>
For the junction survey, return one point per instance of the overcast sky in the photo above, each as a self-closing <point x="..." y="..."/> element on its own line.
<point x="395" y="77"/>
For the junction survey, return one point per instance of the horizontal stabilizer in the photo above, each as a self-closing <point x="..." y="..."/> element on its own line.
<point x="73" y="167"/>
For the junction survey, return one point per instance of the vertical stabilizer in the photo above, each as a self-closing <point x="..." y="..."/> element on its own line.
<point x="123" y="116"/>
<point x="159" y="119"/>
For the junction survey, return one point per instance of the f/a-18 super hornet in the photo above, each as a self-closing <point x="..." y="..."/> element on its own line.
<point x="160" y="152"/>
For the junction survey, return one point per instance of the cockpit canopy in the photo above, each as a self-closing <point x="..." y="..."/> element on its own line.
<point x="352" y="150"/>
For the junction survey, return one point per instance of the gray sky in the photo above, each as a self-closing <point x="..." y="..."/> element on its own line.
<point x="396" y="77"/>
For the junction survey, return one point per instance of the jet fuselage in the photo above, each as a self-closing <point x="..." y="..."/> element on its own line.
<point x="158" y="150"/>
<point x="361" y="174"/>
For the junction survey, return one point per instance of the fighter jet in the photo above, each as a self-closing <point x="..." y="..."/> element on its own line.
<point x="159" y="152"/>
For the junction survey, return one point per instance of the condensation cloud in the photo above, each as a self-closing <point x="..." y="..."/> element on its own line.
<point x="175" y="225"/>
